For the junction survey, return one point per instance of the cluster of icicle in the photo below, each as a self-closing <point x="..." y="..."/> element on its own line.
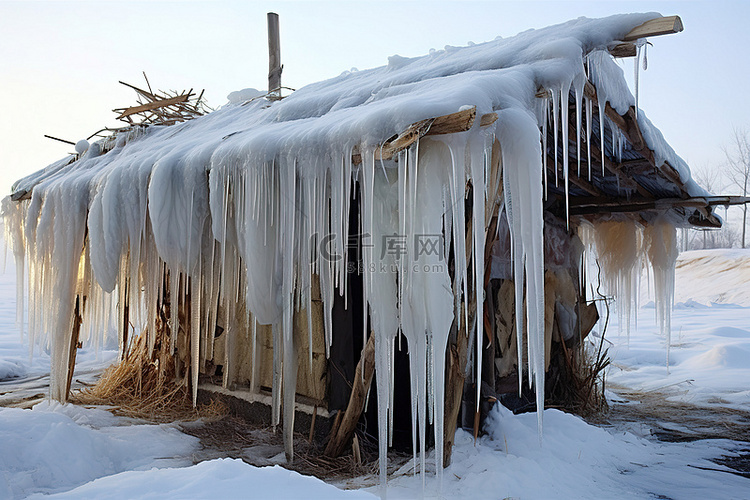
<point x="238" y="216"/>
<point x="252" y="231"/>
<point x="619" y="248"/>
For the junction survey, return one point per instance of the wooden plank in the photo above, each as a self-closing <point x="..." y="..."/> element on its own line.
<point x="457" y="359"/>
<point x="452" y="123"/>
<point x="141" y="92"/>
<point x="153" y="105"/>
<point x="655" y="27"/>
<point x="624" y="50"/>
<point x="488" y="119"/>
<point x="404" y="139"/>
<point x="344" y="427"/>
<point x="459" y="121"/>
<point x="597" y="205"/>
<point x="573" y="179"/>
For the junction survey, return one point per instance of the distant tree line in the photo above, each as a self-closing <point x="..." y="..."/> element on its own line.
<point x="733" y="177"/>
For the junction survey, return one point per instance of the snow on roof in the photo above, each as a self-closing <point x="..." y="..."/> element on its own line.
<point x="367" y="107"/>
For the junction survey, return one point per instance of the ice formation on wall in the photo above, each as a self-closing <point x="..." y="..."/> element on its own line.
<point x="661" y="247"/>
<point x="619" y="247"/>
<point x="234" y="206"/>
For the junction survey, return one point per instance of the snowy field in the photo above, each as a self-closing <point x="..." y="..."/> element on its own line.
<point x="74" y="452"/>
<point x="709" y="361"/>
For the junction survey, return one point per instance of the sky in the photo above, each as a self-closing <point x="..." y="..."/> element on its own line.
<point x="60" y="61"/>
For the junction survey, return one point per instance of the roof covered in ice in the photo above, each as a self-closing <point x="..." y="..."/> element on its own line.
<point x="364" y="108"/>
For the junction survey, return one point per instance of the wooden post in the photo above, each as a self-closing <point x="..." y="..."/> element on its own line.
<point x="454" y="391"/>
<point x="274" y="56"/>
<point x="343" y="428"/>
<point x="73" y="345"/>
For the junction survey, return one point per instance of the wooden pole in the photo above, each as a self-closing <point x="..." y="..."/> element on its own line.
<point x="343" y="428"/>
<point x="73" y="345"/>
<point x="274" y="55"/>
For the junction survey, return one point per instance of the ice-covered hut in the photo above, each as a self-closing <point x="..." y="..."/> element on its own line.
<point x="264" y="243"/>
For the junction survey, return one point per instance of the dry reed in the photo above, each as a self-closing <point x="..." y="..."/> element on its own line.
<point x="138" y="387"/>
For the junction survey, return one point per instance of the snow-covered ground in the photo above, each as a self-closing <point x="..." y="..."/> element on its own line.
<point x="74" y="452"/>
<point x="28" y="374"/>
<point x="709" y="360"/>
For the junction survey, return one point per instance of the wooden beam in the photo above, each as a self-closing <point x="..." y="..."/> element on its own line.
<point x="623" y="50"/>
<point x="583" y="206"/>
<point x="488" y="119"/>
<point x="655" y="27"/>
<point x="697" y="220"/>
<point x="573" y="179"/>
<point x="346" y="422"/>
<point x="457" y="359"/>
<point x="637" y="167"/>
<point x="153" y="105"/>
<point x="459" y="121"/>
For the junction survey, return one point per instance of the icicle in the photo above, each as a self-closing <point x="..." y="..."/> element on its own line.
<point x="636" y="71"/>
<point x="589" y="120"/>
<point x="555" y="113"/>
<point x="661" y="245"/>
<point x="545" y="124"/>
<point x="287" y="231"/>
<point x="618" y="244"/>
<point x="277" y="376"/>
<point x="578" y="90"/>
<point x="478" y="159"/>
<point x="519" y="138"/>
<point x="564" y="92"/>
<point x="602" y="144"/>
<point x="195" y="330"/>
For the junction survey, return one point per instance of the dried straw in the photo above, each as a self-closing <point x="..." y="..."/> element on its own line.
<point x="137" y="387"/>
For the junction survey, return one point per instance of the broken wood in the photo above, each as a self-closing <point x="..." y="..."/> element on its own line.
<point x="343" y="429"/>
<point x="655" y="27"/>
<point x="162" y="108"/>
<point x="153" y="105"/>
<point x="60" y="140"/>
<point x="488" y="119"/>
<point x="624" y="50"/>
<point x="75" y="333"/>
<point x="459" y="121"/>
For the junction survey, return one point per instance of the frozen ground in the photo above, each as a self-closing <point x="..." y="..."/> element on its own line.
<point x="74" y="452"/>
<point x="709" y="361"/>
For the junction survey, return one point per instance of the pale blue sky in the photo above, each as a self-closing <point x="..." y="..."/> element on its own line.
<point x="60" y="61"/>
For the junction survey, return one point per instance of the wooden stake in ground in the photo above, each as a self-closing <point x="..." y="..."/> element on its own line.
<point x="343" y="428"/>
<point x="73" y="345"/>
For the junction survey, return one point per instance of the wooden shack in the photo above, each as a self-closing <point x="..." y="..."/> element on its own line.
<point x="241" y="244"/>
